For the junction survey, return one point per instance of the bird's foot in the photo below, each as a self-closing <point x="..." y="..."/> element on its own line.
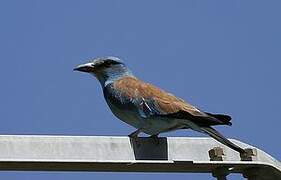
<point x="134" y="137"/>
<point x="155" y="139"/>
<point x="135" y="134"/>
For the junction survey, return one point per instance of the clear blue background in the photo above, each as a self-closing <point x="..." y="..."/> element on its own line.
<point x="222" y="56"/>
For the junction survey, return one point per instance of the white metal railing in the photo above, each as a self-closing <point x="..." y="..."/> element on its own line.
<point x="107" y="153"/>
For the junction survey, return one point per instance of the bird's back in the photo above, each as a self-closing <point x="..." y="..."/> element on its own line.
<point x="134" y="88"/>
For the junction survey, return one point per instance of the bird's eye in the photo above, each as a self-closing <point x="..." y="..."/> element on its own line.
<point x="107" y="63"/>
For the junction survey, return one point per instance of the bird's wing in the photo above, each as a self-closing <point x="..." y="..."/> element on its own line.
<point x="160" y="103"/>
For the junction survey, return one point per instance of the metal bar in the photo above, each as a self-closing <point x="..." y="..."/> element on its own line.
<point x="221" y="173"/>
<point x="105" y="153"/>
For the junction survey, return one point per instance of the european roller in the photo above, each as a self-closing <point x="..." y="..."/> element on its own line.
<point x="146" y="107"/>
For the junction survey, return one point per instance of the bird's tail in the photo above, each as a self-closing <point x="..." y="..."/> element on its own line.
<point x="219" y="137"/>
<point x="225" y="119"/>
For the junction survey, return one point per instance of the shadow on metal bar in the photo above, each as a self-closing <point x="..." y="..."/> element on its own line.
<point x="148" y="149"/>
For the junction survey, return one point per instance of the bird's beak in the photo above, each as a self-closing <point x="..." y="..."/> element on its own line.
<point x="88" y="67"/>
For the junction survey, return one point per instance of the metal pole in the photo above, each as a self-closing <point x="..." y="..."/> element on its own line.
<point x="220" y="173"/>
<point x="253" y="174"/>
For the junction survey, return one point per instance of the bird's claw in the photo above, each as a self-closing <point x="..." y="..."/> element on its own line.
<point x="134" y="137"/>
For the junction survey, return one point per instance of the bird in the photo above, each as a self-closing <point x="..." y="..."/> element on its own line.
<point x="148" y="108"/>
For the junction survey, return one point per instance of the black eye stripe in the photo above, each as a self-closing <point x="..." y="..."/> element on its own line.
<point x="105" y="63"/>
<point x="111" y="62"/>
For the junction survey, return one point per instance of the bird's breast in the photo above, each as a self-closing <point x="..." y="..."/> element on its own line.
<point x="122" y="108"/>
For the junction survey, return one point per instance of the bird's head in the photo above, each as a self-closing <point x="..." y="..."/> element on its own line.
<point x="105" y="69"/>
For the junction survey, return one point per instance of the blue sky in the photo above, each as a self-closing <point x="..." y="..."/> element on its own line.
<point x="222" y="56"/>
